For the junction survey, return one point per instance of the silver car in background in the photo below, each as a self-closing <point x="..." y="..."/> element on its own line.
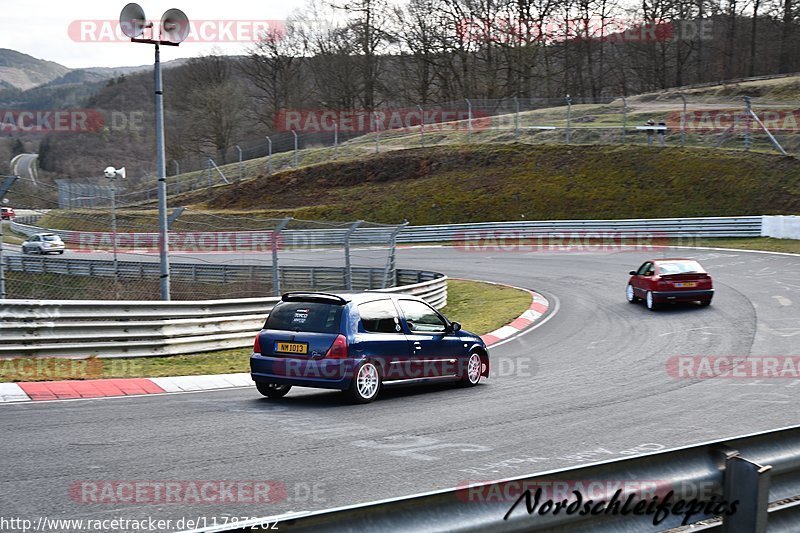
<point x="43" y="243"/>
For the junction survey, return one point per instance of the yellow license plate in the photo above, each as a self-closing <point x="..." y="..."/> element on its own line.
<point x="291" y="347"/>
<point x="686" y="284"/>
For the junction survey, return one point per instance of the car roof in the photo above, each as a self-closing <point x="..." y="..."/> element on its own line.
<point x="354" y="297"/>
<point x="672" y="260"/>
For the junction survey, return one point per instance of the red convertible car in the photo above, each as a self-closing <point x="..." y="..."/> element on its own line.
<point x="670" y="280"/>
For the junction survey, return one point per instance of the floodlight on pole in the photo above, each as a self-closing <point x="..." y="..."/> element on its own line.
<point x="173" y="30"/>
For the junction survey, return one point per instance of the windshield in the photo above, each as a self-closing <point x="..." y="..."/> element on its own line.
<point x="311" y="317"/>
<point x="680" y="267"/>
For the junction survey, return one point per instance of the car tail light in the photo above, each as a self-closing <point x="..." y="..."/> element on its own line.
<point x="338" y="349"/>
<point x="257" y="345"/>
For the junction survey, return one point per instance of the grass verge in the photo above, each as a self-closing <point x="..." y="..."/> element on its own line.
<point x="479" y="307"/>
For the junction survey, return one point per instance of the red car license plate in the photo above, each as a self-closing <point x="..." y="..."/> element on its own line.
<point x="686" y="284"/>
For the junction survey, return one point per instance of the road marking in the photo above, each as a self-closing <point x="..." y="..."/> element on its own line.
<point x="783" y="301"/>
<point x="414" y="446"/>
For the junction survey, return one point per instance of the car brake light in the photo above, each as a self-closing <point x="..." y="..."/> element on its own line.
<point x="257" y="345"/>
<point x="338" y="349"/>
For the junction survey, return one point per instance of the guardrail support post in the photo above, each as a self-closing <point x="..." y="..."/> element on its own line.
<point x="747" y="482"/>
<point x="276" y="281"/>
<point x="348" y="268"/>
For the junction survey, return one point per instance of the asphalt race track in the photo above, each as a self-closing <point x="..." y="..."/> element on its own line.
<point x="588" y="384"/>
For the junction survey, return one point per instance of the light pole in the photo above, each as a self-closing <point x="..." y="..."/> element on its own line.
<point x="173" y="29"/>
<point x="569" y="118"/>
<point x="111" y="173"/>
<point x="294" y="156"/>
<point x="177" y="175"/>
<point x="683" y="121"/>
<point x="469" y="121"/>
<point x="269" y="155"/>
<point x="241" y="167"/>
<point x="421" y="125"/>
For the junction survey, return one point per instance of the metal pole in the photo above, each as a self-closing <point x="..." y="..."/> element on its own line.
<point x="377" y="134"/>
<point x="748" y="114"/>
<point x="177" y="175"/>
<point x="683" y="121"/>
<point x="624" y="118"/>
<point x="348" y="269"/>
<point x="469" y="121"/>
<point x="163" y="231"/>
<point x="569" y="119"/>
<point x="276" y="280"/>
<point x="421" y="125"/>
<point x="269" y="155"/>
<point x="335" y="140"/>
<point x="208" y="165"/>
<point x="241" y="166"/>
<point x="294" y="157"/>
<point x="516" y="119"/>
<point x="2" y="263"/>
<point x="114" y="228"/>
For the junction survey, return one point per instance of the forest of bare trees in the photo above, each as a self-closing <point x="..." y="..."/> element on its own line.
<point x="372" y="54"/>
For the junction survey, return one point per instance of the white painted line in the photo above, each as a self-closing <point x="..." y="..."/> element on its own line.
<point x="11" y="392"/>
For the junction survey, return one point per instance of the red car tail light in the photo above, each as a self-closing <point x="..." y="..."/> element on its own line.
<point x="338" y="349"/>
<point x="257" y="345"/>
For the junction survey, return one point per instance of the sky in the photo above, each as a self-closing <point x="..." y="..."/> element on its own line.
<point x="81" y="33"/>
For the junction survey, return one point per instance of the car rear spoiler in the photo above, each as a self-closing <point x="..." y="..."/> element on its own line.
<point x="322" y="297"/>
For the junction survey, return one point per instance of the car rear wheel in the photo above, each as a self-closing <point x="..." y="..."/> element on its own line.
<point x="705" y="303"/>
<point x="632" y="298"/>
<point x="273" y="390"/>
<point x="472" y="372"/>
<point x="366" y="383"/>
<point x="651" y="304"/>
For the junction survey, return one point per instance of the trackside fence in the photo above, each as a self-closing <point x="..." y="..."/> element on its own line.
<point x="107" y="328"/>
<point x="759" y="472"/>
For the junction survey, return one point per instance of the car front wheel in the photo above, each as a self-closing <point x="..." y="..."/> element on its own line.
<point x="630" y="294"/>
<point x="273" y="390"/>
<point x="366" y="383"/>
<point x="472" y="372"/>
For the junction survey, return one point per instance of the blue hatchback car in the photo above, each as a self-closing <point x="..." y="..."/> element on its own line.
<point x="358" y="342"/>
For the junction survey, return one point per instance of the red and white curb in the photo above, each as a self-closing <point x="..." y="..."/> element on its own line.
<point x="104" y="388"/>
<point x="537" y="310"/>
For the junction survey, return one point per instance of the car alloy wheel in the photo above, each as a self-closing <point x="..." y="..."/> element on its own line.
<point x="651" y="304"/>
<point x="273" y="390"/>
<point x="630" y="294"/>
<point x="366" y="383"/>
<point x="472" y="374"/>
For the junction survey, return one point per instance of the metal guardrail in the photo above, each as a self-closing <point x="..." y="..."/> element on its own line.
<point x="103" y="328"/>
<point x="307" y="277"/>
<point x="747" y="226"/>
<point x="761" y="472"/>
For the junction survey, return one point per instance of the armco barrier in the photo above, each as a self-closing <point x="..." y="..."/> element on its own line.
<point x="748" y="226"/>
<point x="103" y="328"/>
<point x="761" y="472"/>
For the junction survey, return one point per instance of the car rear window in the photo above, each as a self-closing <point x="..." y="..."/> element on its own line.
<point x="679" y="267"/>
<point x="51" y="238"/>
<point x="314" y="317"/>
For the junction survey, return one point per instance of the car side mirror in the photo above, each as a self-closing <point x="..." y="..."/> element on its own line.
<point x="632" y="272"/>
<point x="455" y="327"/>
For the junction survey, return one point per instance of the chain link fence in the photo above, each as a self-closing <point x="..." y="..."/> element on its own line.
<point x="307" y="137"/>
<point x="114" y="254"/>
